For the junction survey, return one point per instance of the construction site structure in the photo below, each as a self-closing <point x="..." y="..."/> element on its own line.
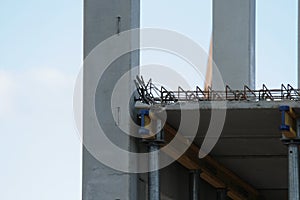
<point x="256" y="156"/>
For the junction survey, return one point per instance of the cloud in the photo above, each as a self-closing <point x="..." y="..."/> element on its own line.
<point x="50" y="77"/>
<point x="39" y="89"/>
<point x="7" y="88"/>
<point x="37" y="127"/>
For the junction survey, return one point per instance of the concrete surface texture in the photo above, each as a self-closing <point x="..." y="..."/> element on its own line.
<point x="102" y="19"/>
<point x="234" y="41"/>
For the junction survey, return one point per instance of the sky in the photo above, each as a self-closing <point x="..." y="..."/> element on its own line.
<point x="41" y="54"/>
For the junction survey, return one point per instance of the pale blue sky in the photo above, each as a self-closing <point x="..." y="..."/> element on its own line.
<point x="41" y="53"/>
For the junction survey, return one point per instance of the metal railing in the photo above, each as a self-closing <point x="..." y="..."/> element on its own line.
<point x="151" y="94"/>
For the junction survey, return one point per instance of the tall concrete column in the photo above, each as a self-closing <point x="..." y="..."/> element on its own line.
<point x="102" y="19"/>
<point x="234" y="41"/>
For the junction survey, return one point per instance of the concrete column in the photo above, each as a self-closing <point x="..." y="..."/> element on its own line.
<point x="234" y="41"/>
<point x="102" y="19"/>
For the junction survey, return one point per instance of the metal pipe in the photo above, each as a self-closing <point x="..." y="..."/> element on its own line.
<point x="298" y="127"/>
<point x="194" y="184"/>
<point x="221" y="194"/>
<point x="298" y="44"/>
<point x="293" y="148"/>
<point x="153" y="176"/>
<point x="293" y="171"/>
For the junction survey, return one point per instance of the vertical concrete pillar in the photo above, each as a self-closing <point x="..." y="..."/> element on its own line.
<point x="234" y="41"/>
<point x="102" y="19"/>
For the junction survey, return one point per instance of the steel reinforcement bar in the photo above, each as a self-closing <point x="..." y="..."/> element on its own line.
<point x="151" y="94"/>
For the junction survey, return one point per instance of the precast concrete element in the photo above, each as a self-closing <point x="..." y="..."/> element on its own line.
<point x="234" y="41"/>
<point x="103" y="19"/>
